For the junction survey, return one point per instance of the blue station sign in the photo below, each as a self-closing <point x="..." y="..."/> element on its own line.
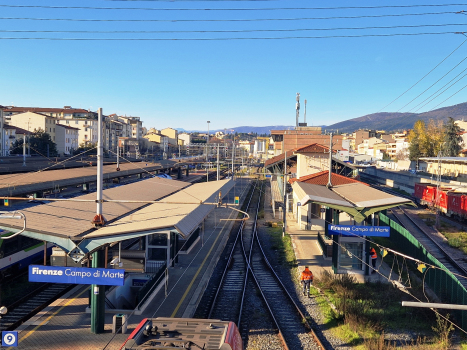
<point x="76" y="275"/>
<point x="353" y="230"/>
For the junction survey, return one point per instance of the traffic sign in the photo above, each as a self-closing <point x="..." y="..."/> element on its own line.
<point x="9" y="338"/>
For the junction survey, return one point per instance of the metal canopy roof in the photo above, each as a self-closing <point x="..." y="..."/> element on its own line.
<point x="15" y="184"/>
<point x="445" y="159"/>
<point x="363" y="196"/>
<point x="356" y="199"/>
<point x="183" y="211"/>
<point x="68" y="223"/>
<point x="317" y="193"/>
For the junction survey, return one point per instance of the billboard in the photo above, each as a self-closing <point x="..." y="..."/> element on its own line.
<point x="354" y="230"/>
<point x="76" y="275"/>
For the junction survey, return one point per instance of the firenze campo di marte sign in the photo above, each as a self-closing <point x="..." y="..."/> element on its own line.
<point x="353" y="230"/>
<point x="76" y="275"/>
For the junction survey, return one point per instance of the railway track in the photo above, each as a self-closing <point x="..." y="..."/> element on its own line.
<point x="30" y="304"/>
<point x="429" y="238"/>
<point x="248" y="274"/>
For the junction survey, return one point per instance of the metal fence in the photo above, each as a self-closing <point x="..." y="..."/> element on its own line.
<point x="444" y="284"/>
<point x="143" y="293"/>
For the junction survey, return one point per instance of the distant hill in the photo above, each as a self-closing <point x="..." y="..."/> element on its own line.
<point x="245" y="129"/>
<point x="398" y="121"/>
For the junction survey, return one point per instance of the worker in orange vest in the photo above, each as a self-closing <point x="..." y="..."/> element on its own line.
<point x="373" y="258"/>
<point x="306" y="279"/>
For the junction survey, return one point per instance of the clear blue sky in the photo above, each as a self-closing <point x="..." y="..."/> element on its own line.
<point x="183" y="83"/>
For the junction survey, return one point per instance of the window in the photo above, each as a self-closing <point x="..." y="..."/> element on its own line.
<point x="157" y="239"/>
<point x="85" y="129"/>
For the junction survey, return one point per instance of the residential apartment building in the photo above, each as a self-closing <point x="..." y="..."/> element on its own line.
<point x="172" y="135"/>
<point x="32" y="121"/>
<point x="184" y="138"/>
<point x="66" y="139"/>
<point x="154" y="135"/>
<point x="87" y="129"/>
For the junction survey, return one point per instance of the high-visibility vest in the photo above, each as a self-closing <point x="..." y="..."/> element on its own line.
<point x="307" y="275"/>
<point x="373" y="253"/>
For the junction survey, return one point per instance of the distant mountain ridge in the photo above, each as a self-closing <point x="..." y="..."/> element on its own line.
<point x="398" y="121"/>
<point x="245" y="129"/>
<point x="388" y="121"/>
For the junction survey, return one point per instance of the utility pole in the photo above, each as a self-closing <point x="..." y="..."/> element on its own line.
<point x="24" y="149"/>
<point x="233" y="152"/>
<point x="285" y="195"/>
<point x="217" y="162"/>
<point x="438" y="183"/>
<point x="329" y="184"/>
<point x="2" y="146"/>
<point x="297" y="109"/>
<point x="98" y="292"/>
<point x="304" y="117"/>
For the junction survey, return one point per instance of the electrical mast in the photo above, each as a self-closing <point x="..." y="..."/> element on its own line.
<point x="297" y="109"/>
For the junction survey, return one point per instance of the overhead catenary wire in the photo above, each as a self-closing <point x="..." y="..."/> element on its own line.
<point x="224" y="20"/>
<point x="410" y="88"/>
<point x="176" y="283"/>
<point x="229" y="9"/>
<point x="395" y="252"/>
<point x="223" y="31"/>
<point x="442" y="92"/>
<point x="229" y="38"/>
<point x="432" y="84"/>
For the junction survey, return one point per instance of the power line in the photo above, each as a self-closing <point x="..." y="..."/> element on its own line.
<point x="451" y="96"/>
<point x="227" y="9"/>
<point x="222" y="31"/>
<point x="228" y="39"/>
<point x="439" y="90"/>
<point x="224" y="20"/>
<point x="433" y="84"/>
<point x="410" y="88"/>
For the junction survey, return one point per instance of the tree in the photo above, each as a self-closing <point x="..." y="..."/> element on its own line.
<point x="416" y="139"/>
<point x="452" y="138"/>
<point x="425" y="141"/>
<point x="87" y="146"/>
<point x="433" y="138"/>
<point x="39" y="142"/>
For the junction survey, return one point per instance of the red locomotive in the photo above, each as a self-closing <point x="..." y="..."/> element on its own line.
<point x="187" y="333"/>
<point x="445" y="198"/>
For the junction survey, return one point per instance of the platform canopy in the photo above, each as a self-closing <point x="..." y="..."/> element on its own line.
<point x="180" y="207"/>
<point x="356" y="199"/>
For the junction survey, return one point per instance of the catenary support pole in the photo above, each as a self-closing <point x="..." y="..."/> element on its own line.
<point x="98" y="292"/>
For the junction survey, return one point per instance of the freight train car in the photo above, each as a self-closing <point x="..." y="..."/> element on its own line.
<point x="449" y="200"/>
<point x="184" y="333"/>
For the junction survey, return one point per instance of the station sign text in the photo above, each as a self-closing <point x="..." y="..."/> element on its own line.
<point x="353" y="230"/>
<point x="76" y="275"/>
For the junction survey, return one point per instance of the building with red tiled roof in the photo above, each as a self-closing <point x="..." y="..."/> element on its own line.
<point x="322" y="179"/>
<point x="65" y="112"/>
<point x="312" y="158"/>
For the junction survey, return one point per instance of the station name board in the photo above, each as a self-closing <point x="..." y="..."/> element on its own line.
<point x="76" y="275"/>
<point x="353" y="230"/>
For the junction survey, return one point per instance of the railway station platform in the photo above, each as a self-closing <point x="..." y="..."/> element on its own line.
<point x="65" y="324"/>
<point x="309" y="253"/>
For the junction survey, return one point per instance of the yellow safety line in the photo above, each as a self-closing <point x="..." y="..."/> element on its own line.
<point x="48" y="318"/>
<point x="197" y="272"/>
